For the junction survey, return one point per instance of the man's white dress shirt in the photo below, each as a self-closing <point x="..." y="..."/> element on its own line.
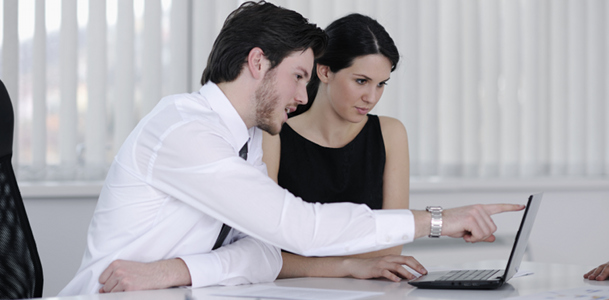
<point x="178" y="177"/>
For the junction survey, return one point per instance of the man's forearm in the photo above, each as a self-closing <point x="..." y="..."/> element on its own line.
<point x="472" y="223"/>
<point x="422" y="221"/>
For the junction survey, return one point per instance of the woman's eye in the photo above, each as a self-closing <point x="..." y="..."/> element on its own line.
<point x="382" y="84"/>
<point x="360" y="81"/>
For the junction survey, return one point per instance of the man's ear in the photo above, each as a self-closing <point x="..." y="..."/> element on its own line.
<point x="257" y="63"/>
<point x="323" y="72"/>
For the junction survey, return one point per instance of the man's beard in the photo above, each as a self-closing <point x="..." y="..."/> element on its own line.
<point x="266" y="102"/>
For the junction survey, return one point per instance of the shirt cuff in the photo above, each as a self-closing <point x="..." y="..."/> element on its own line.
<point x="205" y="269"/>
<point x="394" y="226"/>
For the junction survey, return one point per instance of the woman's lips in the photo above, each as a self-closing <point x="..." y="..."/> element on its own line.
<point x="362" y="111"/>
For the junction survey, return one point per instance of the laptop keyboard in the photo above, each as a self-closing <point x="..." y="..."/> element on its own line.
<point x="458" y="275"/>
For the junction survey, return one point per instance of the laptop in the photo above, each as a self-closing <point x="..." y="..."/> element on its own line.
<point x="486" y="279"/>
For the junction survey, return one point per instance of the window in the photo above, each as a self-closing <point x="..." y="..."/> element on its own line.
<point x="505" y="89"/>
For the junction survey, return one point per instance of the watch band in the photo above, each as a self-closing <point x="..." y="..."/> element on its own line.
<point x="436" y="221"/>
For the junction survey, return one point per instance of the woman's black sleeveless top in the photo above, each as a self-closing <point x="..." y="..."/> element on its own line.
<point x="353" y="173"/>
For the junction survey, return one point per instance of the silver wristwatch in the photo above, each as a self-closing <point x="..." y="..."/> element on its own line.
<point x="436" y="221"/>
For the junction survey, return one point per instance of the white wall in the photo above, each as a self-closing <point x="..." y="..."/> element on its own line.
<point x="60" y="229"/>
<point x="571" y="226"/>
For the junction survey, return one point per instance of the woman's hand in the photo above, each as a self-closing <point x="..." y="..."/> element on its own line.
<point x="600" y="273"/>
<point x="389" y="266"/>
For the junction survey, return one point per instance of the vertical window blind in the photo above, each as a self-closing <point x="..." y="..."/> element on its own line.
<point x="485" y="88"/>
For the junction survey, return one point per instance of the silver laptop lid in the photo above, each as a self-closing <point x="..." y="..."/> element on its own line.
<point x="522" y="237"/>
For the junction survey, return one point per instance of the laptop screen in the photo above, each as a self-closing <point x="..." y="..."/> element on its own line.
<point x="522" y="237"/>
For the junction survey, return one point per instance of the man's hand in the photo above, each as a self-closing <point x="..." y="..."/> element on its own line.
<point x="389" y="266"/>
<point x="473" y="223"/>
<point x="601" y="273"/>
<point x="124" y="275"/>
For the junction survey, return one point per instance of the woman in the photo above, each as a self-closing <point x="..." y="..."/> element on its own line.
<point x="599" y="274"/>
<point x="333" y="150"/>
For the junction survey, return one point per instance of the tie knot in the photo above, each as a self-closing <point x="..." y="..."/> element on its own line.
<point x="243" y="152"/>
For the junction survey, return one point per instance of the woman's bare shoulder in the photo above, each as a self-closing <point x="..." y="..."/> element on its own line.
<point x="392" y="127"/>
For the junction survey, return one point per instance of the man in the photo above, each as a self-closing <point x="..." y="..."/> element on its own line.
<point x="179" y="176"/>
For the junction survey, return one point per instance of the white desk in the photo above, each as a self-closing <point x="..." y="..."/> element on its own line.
<point x="547" y="277"/>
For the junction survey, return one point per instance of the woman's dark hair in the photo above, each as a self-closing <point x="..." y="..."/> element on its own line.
<point x="277" y="31"/>
<point x="350" y="37"/>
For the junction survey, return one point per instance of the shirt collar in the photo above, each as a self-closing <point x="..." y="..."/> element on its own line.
<point x="220" y="104"/>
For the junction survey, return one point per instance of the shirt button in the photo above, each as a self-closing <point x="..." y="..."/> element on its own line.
<point x="388" y="239"/>
<point x="405" y="237"/>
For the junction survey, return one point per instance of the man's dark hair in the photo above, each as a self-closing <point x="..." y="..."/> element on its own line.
<point x="350" y="37"/>
<point x="275" y="30"/>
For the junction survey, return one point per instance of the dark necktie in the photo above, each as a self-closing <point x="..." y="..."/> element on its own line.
<point x="243" y="152"/>
<point x="225" y="228"/>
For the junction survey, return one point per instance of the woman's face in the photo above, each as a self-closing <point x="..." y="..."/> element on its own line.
<point x="355" y="90"/>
